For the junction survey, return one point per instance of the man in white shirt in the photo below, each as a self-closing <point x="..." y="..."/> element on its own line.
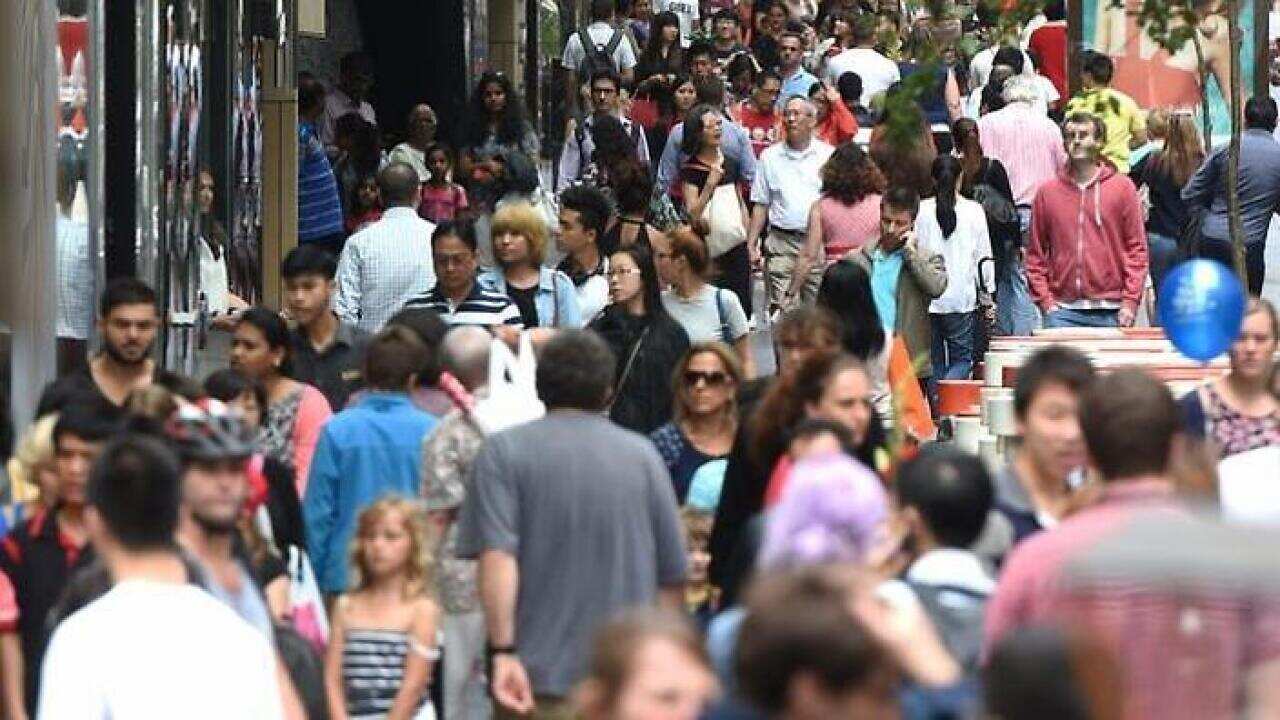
<point x="355" y="81"/>
<point x="601" y="33"/>
<point x="389" y="262"/>
<point x="154" y="646"/>
<point x="877" y="71"/>
<point x="787" y="184"/>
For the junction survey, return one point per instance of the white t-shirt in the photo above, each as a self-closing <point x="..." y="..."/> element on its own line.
<point x="877" y="71"/>
<point x="624" y="56"/>
<point x="686" y="11"/>
<point x="968" y="248"/>
<point x="158" y="650"/>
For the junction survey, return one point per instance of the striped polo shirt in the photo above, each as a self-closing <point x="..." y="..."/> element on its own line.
<point x="482" y="306"/>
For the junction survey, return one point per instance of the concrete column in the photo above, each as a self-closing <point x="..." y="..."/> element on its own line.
<point x="28" y="276"/>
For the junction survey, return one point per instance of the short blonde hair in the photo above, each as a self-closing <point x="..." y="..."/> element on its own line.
<point x="35" y="450"/>
<point x="415" y="524"/>
<point x="525" y="220"/>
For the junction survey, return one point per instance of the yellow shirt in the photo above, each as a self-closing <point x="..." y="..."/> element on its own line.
<point x="1119" y="113"/>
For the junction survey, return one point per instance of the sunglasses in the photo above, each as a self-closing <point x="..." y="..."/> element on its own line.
<point x="715" y="378"/>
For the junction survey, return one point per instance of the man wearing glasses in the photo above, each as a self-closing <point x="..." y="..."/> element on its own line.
<point x="576" y="155"/>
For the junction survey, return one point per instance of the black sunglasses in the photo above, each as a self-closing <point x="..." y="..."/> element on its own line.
<point x="712" y="379"/>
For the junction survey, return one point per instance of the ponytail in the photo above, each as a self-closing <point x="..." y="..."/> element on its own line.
<point x="946" y="174"/>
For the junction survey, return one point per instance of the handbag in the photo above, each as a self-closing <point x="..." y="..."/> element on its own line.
<point x="513" y="391"/>
<point x="306" y="606"/>
<point x="723" y="216"/>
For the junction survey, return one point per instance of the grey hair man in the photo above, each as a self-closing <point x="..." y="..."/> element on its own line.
<point x="788" y="182"/>
<point x="447" y="455"/>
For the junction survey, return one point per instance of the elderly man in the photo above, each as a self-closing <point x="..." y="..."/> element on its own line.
<point x="787" y="184"/>
<point x="1029" y="145"/>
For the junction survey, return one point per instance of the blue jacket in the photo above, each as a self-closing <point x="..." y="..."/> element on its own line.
<point x="1259" y="187"/>
<point x="556" y="299"/>
<point x="369" y="450"/>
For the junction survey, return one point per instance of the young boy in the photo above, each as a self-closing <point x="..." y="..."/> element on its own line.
<point x="326" y="352"/>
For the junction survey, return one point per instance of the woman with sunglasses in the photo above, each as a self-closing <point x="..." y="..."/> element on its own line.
<point x="705" y="418"/>
<point x="646" y="342"/>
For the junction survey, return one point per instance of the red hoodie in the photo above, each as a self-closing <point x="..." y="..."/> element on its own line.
<point x="1087" y="244"/>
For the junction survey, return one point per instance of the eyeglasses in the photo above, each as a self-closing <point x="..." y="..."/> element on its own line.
<point x="622" y="272"/>
<point x="715" y="378"/>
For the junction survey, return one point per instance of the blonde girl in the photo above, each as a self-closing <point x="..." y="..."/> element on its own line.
<point x="383" y="640"/>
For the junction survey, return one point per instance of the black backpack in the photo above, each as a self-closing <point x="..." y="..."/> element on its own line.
<point x="597" y="58"/>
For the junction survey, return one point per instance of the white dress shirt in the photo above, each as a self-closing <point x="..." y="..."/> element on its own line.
<point x="384" y="266"/>
<point x="962" y="253"/>
<point x="336" y="104"/>
<point x="789" y="182"/>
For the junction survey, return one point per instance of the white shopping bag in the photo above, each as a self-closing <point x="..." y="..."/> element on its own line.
<point x="512" y="397"/>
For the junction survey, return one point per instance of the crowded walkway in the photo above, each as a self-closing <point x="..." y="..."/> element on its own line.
<point x="841" y="361"/>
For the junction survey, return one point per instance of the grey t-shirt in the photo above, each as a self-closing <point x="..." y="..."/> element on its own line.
<point x="588" y="510"/>
<point x="712" y="314"/>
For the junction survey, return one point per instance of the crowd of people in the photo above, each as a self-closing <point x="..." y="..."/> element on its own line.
<point x="521" y="440"/>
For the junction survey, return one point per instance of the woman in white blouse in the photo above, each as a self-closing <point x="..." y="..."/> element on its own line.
<point x="955" y="228"/>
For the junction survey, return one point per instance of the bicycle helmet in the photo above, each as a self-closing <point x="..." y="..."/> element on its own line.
<point x="209" y="431"/>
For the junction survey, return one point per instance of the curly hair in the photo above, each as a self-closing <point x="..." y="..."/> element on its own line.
<point x="418" y="570"/>
<point x="784" y="403"/>
<point x="512" y="124"/>
<point x="850" y="175"/>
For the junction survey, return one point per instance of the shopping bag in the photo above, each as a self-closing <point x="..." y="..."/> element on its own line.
<point x="306" y="606"/>
<point x="512" y="391"/>
<point x="909" y="402"/>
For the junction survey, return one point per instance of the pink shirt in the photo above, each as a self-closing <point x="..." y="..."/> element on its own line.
<point x="313" y="413"/>
<point x="846" y="228"/>
<point x="1183" y="651"/>
<point x="1027" y="143"/>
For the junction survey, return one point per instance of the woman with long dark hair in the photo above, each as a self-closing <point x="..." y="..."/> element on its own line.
<point x="955" y="228"/>
<point x="1165" y="172"/>
<point x="497" y="119"/>
<point x="295" y="411"/>
<point x="846" y="292"/>
<point x="646" y="342"/>
<point x="846" y="217"/>
<point x="702" y="178"/>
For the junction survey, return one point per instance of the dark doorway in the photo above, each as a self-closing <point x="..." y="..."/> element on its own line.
<point x="120" y="132"/>
<point x="417" y="49"/>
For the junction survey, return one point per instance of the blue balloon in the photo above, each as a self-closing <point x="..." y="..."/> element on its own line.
<point x="1201" y="307"/>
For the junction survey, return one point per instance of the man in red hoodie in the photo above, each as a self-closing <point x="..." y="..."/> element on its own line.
<point x="1087" y="257"/>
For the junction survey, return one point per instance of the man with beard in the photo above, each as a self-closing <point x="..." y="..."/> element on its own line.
<point x="128" y="320"/>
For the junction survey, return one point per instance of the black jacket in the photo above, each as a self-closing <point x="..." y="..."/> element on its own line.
<point x="643" y="400"/>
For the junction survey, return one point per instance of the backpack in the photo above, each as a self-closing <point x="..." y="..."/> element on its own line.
<point x="597" y="58"/>
<point x="957" y="614"/>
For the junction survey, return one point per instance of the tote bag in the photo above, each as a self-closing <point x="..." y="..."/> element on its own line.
<point x="723" y="215"/>
<point x="513" y="391"/>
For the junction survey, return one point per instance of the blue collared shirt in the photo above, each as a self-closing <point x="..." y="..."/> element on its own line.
<point x="800" y="83"/>
<point x="885" y="270"/>
<point x="370" y="450"/>
<point x="556" y="299"/>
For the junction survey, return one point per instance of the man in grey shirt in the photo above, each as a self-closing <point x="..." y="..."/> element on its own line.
<point x="1259" y="189"/>
<point x="572" y="519"/>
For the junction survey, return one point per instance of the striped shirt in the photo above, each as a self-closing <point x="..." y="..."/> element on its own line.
<point x="319" y="209"/>
<point x="1027" y="143"/>
<point x="482" y="306"/>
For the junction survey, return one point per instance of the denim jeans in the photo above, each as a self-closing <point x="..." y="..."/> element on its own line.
<point x="954" y="343"/>
<point x="1254" y="259"/>
<point x="1163" y="253"/>
<point x="1068" y="318"/>
<point x="1015" y="313"/>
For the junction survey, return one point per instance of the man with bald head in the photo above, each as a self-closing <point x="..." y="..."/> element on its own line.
<point x="787" y="184"/>
<point x="388" y="262"/>
<point x="446" y="468"/>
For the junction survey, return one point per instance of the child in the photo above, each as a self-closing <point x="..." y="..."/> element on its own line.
<point x="365" y="203"/>
<point x="383" y="642"/>
<point x="701" y="598"/>
<point x="441" y="199"/>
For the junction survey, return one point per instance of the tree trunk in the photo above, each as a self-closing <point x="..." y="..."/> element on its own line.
<point x="1206" y="127"/>
<point x="1233" y="152"/>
